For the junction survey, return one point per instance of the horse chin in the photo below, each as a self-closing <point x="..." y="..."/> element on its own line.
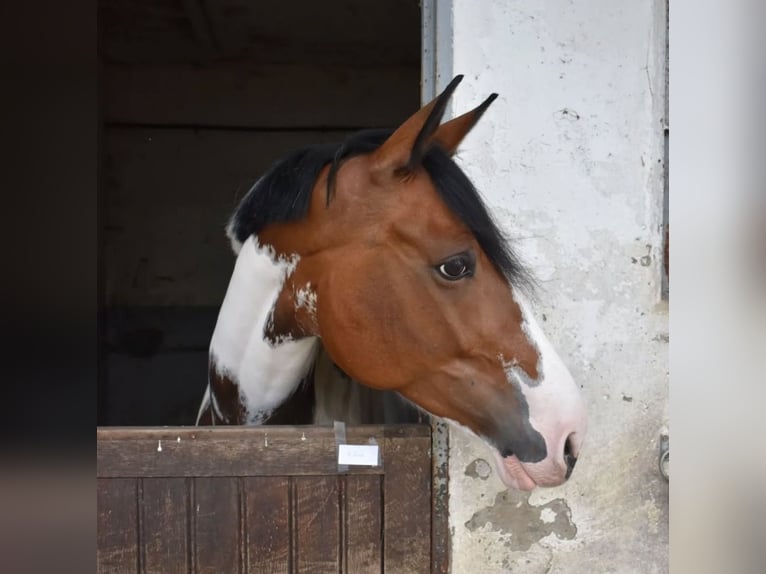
<point x="513" y="474"/>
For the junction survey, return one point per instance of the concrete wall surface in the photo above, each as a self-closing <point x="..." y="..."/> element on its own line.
<point x="570" y="158"/>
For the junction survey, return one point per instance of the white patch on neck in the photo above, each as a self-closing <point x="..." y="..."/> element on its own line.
<point x="266" y="372"/>
<point x="217" y="409"/>
<point x="306" y="298"/>
<point x="236" y="246"/>
<point x="205" y="402"/>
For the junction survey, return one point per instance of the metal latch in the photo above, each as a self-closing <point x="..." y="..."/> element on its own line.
<point x="664" y="459"/>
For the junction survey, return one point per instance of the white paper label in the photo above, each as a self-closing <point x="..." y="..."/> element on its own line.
<point x="358" y="454"/>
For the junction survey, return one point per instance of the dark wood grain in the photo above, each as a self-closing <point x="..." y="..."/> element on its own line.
<point x="317" y="525"/>
<point x="141" y="94"/>
<point x="363" y="535"/>
<point x="215" y="507"/>
<point x="117" y="509"/>
<point x="267" y="508"/>
<point x="407" y="507"/>
<point x="164" y="525"/>
<point x="253" y="451"/>
<point x="211" y="500"/>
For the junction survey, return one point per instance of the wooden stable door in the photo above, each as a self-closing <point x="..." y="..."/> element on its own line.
<point x="262" y="499"/>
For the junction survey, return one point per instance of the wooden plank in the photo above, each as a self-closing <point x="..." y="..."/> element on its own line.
<point x="215" y="504"/>
<point x="163" y="507"/>
<point x="266" y="522"/>
<point x="362" y="530"/>
<point x="117" y="551"/>
<point x="276" y="96"/>
<point x="202" y="33"/>
<point x="267" y="504"/>
<point x="316" y="525"/>
<point x="355" y="434"/>
<point x="252" y="451"/>
<point x="264" y="31"/>
<point x="407" y="506"/>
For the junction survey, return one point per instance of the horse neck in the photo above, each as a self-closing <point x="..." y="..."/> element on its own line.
<point x="337" y="397"/>
<point x="264" y="372"/>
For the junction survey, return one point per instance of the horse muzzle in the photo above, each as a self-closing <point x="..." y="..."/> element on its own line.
<point x="554" y="470"/>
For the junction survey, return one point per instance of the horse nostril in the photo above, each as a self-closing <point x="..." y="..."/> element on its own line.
<point x="569" y="458"/>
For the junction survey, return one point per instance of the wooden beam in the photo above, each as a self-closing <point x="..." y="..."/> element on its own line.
<point x="201" y="28"/>
<point x="238" y="451"/>
<point x="241" y="95"/>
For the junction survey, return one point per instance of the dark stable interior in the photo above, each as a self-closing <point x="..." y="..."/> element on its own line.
<point x="197" y="100"/>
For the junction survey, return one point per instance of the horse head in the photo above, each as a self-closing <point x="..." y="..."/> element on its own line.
<point x="383" y="249"/>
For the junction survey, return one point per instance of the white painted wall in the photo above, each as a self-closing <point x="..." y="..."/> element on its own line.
<point x="570" y="159"/>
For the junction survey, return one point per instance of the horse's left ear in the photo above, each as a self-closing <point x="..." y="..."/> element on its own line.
<point x="404" y="149"/>
<point x="451" y="133"/>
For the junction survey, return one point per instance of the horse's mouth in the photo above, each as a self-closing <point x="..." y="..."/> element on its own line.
<point x="513" y="474"/>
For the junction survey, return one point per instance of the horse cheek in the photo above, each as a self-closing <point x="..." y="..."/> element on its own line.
<point x="346" y="326"/>
<point x="361" y="325"/>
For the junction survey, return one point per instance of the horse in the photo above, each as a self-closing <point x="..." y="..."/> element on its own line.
<point x="380" y="252"/>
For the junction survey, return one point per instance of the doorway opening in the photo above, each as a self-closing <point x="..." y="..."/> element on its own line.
<point x="198" y="98"/>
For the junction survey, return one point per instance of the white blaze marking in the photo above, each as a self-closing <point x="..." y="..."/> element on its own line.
<point x="266" y="373"/>
<point x="556" y="407"/>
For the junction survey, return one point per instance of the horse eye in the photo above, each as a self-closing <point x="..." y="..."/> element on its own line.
<point x="456" y="268"/>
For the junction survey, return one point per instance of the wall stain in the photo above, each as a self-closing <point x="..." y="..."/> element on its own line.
<point x="511" y="513"/>
<point x="478" y="468"/>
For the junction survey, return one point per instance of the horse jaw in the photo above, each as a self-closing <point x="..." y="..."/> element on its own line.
<point x="266" y="372"/>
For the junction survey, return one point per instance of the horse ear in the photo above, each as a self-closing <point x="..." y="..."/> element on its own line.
<point x="449" y="135"/>
<point x="404" y="149"/>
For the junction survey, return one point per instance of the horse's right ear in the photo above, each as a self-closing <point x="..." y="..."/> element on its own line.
<point x="404" y="149"/>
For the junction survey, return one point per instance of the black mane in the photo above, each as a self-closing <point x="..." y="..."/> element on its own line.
<point x="284" y="194"/>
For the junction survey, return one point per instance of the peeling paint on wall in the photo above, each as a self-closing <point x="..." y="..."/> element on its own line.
<point x="570" y="159"/>
<point x="478" y="468"/>
<point x="511" y="513"/>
